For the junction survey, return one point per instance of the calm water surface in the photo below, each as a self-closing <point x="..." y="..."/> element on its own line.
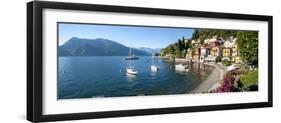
<point x="105" y="76"/>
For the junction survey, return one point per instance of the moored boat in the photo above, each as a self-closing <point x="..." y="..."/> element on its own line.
<point x="181" y="67"/>
<point x="132" y="57"/>
<point x="131" y="70"/>
<point x="154" y="67"/>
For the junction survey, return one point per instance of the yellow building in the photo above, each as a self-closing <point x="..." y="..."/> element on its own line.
<point x="215" y="51"/>
<point x="237" y="59"/>
<point x="235" y="54"/>
<point x="226" y="52"/>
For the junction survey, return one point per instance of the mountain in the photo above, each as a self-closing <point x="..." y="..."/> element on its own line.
<point x="96" y="47"/>
<point x="150" y="50"/>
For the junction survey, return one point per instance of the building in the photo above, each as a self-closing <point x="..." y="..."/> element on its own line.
<point x="226" y="53"/>
<point x="215" y="51"/>
<point x="188" y="56"/>
<point x="213" y="48"/>
<point x="230" y="50"/>
<point x="210" y="58"/>
<point x="237" y="60"/>
<point x="204" y="52"/>
<point x="196" y="55"/>
<point x="235" y="55"/>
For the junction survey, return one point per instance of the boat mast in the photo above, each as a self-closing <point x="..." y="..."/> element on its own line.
<point x="130" y="59"/>
<point x="152" y="59"/>
<point x="130" y="51"/>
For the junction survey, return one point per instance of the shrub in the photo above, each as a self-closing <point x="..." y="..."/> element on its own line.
<point x="227" y="84"/>
<point x="226" y="62"/>
<point x="218" y="59"/>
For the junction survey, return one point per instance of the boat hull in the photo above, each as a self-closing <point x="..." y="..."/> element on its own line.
<point x="154" y="68"/>
<point x="135" y="58"/>
<point x="132" y="72"/>
<point x="181" y="67"/>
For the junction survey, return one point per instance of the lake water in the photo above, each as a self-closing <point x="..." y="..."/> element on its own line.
<point x="105" y="76"/>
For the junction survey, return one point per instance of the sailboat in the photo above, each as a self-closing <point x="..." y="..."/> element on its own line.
<point x="131" y="70"/>
<point x="153" y="67"/>
<point x="131" y="57"/>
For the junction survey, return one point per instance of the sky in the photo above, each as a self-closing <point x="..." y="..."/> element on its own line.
<point x="130" y="36"/>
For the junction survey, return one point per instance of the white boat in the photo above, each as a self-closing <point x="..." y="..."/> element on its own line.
<point x="154" y="67"/>
<point x="131" y="70"/>
<point x="180" y="67"/>
<point x="132" y="57"/>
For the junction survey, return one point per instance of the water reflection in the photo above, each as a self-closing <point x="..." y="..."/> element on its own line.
<point x="131" y="77"/>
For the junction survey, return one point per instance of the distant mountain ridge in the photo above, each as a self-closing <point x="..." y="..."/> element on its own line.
<point x="150" y="50"/>
<point x="97" y="47"/>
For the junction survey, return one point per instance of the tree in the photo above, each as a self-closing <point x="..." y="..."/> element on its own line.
<point x="195" y="34"/>
<point x="248" y="46"/>
<point x="179" y="44"/>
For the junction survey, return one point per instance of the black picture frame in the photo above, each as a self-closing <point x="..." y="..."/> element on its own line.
<point x="35" y="69"/>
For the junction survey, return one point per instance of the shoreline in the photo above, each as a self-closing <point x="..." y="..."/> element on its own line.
<point x="211" y="81"/>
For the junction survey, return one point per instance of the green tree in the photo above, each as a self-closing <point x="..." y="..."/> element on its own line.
<point x="248" y="46"/>
<point x="195" y="34"/>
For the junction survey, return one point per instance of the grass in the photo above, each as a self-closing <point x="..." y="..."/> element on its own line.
<point x="250" y="78"/>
